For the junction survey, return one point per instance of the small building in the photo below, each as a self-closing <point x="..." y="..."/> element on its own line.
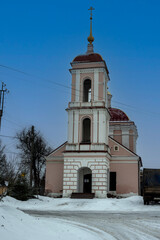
<point x="99" y="155"/>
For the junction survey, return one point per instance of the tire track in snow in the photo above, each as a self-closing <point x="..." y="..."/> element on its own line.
<point x="117" y="226"/>
<point x="94" y="230"/>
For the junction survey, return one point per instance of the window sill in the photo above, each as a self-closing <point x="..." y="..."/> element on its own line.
<point x="85" y="143"/>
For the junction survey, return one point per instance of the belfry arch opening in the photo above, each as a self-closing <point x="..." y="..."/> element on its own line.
<point x="87" y="90"/>
<point x="86" y="132"/>
<point x="84" y="180"/>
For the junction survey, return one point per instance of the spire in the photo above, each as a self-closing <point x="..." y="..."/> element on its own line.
<point x="90" y="38"/>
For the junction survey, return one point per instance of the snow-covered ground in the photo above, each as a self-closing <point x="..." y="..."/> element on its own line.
<point x="16" y="225"/>
<point x="134" y="203"/>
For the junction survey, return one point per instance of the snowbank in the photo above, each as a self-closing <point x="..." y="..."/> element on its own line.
<point x="17" y="225"/>
<point x="134" y="203"/>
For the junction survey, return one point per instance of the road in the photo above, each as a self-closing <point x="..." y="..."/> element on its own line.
<point x="121" y="226"/>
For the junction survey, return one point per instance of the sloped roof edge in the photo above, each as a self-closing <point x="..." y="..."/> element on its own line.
<point x="56" y="149"/>
<point x="127" y="150"/>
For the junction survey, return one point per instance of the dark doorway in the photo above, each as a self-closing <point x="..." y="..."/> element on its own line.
<point x="112" y="186"/>
<point x="87" y="91"/>
<point x="87" y="183"/>
<point x="84" y="180"/>
<point x="86" y="130"/>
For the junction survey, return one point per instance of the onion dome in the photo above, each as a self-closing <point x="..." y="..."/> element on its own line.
<point x="117" y="115"/>
<point x="92" y="57"/>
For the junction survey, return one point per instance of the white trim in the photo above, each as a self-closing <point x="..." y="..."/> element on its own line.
<point x="95" y="126"/>
<point x="124" y="162"/>
<point x="104" y="89"/>
<point x="70" y="126"/>
<point x="84" y="154"/>
<point x="77" y="85"/>
<point x="90" y="70"/>
<point x="125" y="137"/>
<point x="116" y="146"/>
<point x="96" y="80"/>
<point x="114" y="157"/>
<point x="76" y="129"/>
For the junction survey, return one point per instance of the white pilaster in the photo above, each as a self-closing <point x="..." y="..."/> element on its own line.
<point x="95" y="127"/>
<point x="125" y="138"/>
<point x="134" y="143"/>
<point x="70" y="126"/>
<point x="102" y="127"/>
<point x="76" y="116"/>
<point x="96" y="80"/>
<point x="77" y="91"/>
<point x="104" y="89"/>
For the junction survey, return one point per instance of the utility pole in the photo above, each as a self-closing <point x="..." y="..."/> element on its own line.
<point x="2" y="93"/>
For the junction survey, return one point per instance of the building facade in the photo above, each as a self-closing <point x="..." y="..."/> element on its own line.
<point x="100" y="153"/>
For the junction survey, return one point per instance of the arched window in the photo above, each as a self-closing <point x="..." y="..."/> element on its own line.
<point x="86" y="130"/>
<point x="87" y="91"/>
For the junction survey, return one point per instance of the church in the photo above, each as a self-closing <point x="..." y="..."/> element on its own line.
<point x="99" y="156"/>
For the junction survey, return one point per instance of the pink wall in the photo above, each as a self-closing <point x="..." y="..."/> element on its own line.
<point x="127" y="177"/>
<point x="117" y="135"/>
<point x="73" y="87"/>
<point x="131" y="143"/>
<point x="54" y="171"/>
<point x="122" y="150"/>
<point x="59" y="151"/>
<point x="54" y="177"/>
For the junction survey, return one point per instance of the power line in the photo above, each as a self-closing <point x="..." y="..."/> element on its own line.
<point x="71" y="88"/>
<point x="12" y="153"/>
<point x="32" y="75"/>
<point x="55" y="83"/>
<point x="12" y="122"/>
<point x="13" y="69"/>
<point x="8" y="136"/>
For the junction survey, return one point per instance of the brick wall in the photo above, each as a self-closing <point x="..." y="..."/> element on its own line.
<point x="98" y="167"/>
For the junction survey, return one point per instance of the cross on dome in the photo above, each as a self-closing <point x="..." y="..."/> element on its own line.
<point x="90" y="38"/>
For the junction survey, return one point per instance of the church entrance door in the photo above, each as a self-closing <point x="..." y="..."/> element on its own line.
<point x="87" y="183"/>
<point x="85" y="180"/>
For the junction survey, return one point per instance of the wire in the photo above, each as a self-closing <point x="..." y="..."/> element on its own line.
<point x="71" y="88"/>
<point x="46" y="80"/>
<point x="7" y="136"/>
<point x="12" y="122"/>
<point x="32" y="75"/>
<point x="13" y="69"/>
<point x="12" y="153"/>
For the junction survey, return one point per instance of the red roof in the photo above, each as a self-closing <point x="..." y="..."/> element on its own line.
<point x="92" y="57"/>
<point x="117" y="115"/>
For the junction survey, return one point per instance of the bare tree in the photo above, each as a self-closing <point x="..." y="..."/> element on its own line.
<point x="8" y="171"/>
<point x="33" y="150"/>
<point x="3" y="164"/>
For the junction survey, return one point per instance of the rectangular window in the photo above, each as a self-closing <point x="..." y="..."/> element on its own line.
<point x="112" y="186"/>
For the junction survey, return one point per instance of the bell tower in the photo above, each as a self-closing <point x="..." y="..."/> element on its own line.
<point x="86" y="157"/>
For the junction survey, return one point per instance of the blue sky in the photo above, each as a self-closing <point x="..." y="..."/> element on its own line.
<point x="42" y="38"/>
